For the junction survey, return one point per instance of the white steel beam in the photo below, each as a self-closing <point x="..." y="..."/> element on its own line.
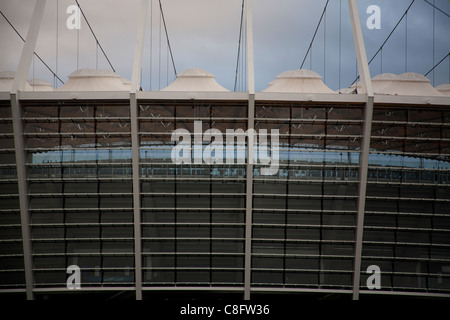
<point x="135" y="85"/>
<point x="250" y="52"/>
<point x="361" y="202"/>
<point x="29" y="47"/>
<point x="366" y="84"/>
<point x="19" y="144"/>
<point x="136" y="195"/>
<point x="140" y="39"/>
<point x="249" y="169"/>
<point x="249" y="204"/>
<point x="360" y="49"/>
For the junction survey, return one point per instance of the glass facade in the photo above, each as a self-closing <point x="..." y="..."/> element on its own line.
<point x="304" y="217"/>
<point x="406" y="230"/>
<point x="193" y="215"/>
<point x="12" y="273"/>
<point x="78" y="161"/>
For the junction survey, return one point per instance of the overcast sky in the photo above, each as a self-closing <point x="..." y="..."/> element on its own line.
<point x="205" y="33"/>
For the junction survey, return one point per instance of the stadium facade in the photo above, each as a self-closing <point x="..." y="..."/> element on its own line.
<point x="87" y="178"/>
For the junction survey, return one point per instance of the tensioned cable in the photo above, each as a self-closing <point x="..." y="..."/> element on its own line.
<point x="33" y="72"/>
<point x="434" y="37"/>
<point x="78" y="48"/>
<point x="57" y="44"/>
<point x="37" y="56"/>
<point x="381" y="61"/>
<point x="340" y="41"/>
<point x="386" y="40"/>
<point x="437" y="8"/>
<point x="159" y="52"/>
<point x="95" y="37"/>
<point x="239" y="47"/>
<point x="406" y="43"/>
<point x="315" y="33"/>
<point x="437" y="64"/>
<point x="151" y="42"/>
<point x="167" y="36"/>
<point x="325" y="47"/>
<point x="243" y="59"/>
<point x="167" y="67"/>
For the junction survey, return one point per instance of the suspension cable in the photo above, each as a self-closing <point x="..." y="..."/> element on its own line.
<point x="78" y="48"/>
<point x="239" y="47"/>
<point x="431" y="4"/>
<point x="55" y="83"/>
<point x="167" y="36"/>
<point x="95" y="37"/>
<point x="388" y="37"/>
<point x="434" y="37"/>
<point x="159" y="50"/>
<point x="437" y="64"/>
<point x="325" y="47"/>
<point x="406" y="43"/>
<point x="37" y="56"/>
<point x="315" y="33"/>
<point x="151" y="43"/>
<point x="340" y="41"/>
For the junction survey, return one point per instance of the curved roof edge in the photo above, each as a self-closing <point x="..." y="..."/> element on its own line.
<point x="7" y="80"/>
<point x="40" y="85"/>
<point x="93" y="80"/>
<point x="195" y="79"/>
<point x="298" y="81"/>
<point x="444" y="89"/>
<point x="407" y="84"/>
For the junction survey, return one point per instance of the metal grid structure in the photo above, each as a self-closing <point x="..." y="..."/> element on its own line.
<point x="79" y="179"/>
<point x="87" y="179"/>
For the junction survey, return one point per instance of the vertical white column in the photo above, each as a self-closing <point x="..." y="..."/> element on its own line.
<point x="249" y="178"/>
<point x="136" y="195"/>
<point x="19" y="144"/>
<point x="360" y="49"/>
<point x="366" y="84"/>
<point x="139" y="50"/>
<point x="23" y="194"/>
<point x="250" y="53"/>
<point x="135" y="85"/>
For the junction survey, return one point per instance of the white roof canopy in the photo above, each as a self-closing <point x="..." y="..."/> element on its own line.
<point x="195" y="79"/>
<point x="298" y="81"/>
<point x="382" y="81"/>
<point x="7" y="80"/>
<point x="406" y="84"/>
<point x="93" y="80"/>
<point x="40" y="85"/>
<point x="444" y="89"/>
<point x="411" y="84"/>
